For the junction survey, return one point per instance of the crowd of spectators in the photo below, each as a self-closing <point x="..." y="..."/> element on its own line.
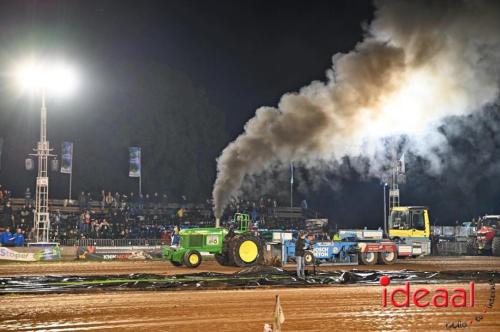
<point x="124" y="216"/>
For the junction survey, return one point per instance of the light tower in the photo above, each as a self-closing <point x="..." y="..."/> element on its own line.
<point x="42" y="78"/>
<point x="41" y="227"/>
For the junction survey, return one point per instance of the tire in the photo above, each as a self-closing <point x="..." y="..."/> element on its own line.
<point x="177" y="264"/>
<point x="368" y="258"/>
<point x="192" y="259"/>
<point x="222" y="259"/>
<point x="470" y="248"/>
<point x="246" y="250"/>
<point x="308" y="258"/>
<point x="495" y="246"/>
<point x="387" y="257"/>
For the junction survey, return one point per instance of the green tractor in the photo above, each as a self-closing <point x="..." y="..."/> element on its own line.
<point x="231" y="247"/>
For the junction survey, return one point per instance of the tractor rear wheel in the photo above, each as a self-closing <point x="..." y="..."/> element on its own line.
<point x="192" y="258"/>
<point x="495" y="246"/>
<point x="368" y="258"/>
<point x="387" y="257"/>
<point x="246" y="250"/>
<point x="308" y="258"/>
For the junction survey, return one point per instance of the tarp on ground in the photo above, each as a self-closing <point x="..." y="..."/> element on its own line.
<point x="250" y="278"/>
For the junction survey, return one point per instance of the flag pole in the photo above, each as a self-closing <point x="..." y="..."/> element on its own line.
<point x="140" y="183"/>
<point x="70" y="182"/>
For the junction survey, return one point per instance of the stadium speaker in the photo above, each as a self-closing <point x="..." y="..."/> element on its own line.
<point x="54" y="165"/>
<point x="29" y="164"/>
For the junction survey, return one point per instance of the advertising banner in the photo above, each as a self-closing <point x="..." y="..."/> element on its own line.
<point x="134" y="162"/>
<point x="51" y="253"/>
<point x="116" y="253"/>
<point x="67" y="157"/>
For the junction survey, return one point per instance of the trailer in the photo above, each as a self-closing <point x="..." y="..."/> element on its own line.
<point x="353" y="247"/>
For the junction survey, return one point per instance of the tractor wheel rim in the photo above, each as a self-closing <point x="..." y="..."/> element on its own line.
<point x="193" y="259"/>
<point x="389" y="255"/>
<point x="308" y="258"/>
<point x="370" y="256"/>
<point x="248" y="251"/>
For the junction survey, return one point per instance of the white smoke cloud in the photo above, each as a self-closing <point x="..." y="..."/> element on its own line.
<point x="419" y="63"/>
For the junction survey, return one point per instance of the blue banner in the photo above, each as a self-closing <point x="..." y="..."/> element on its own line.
<point x="135" y="162"/>
<point x="67" y="157"/>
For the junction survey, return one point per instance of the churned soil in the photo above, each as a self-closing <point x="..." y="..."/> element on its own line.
<point x="338" y="308"/>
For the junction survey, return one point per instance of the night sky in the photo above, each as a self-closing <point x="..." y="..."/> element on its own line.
<point x="180" y="79"/>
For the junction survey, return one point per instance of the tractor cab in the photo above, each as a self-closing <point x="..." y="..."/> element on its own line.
<point x="409" y="222"/>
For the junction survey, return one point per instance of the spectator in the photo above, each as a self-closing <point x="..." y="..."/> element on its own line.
<point x="88" y="200"/>
<point x="103" y="199"/>
<point x="109" y="200"/>
<point x="116" y="200"/>
<point x="19" y="238"/>
<point x="7" y="238"/>
<point x="82" y="201"/>
<point x="7" y="219"/>
<point x="180" y="213"/>
<point x="299" y="255"/>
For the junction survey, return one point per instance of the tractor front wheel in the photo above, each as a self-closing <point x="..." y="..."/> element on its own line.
<point x="495" y="246"/>
<point x="192" y="258"/>
<point x="368" y="258"/>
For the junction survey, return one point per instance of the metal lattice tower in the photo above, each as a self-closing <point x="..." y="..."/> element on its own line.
<point x="398" y="176"/>
<point x="394" y="188"/>
<point x="41" y="227"/>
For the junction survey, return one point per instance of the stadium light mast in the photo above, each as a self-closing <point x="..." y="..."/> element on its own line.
<point x="44" y="78"/>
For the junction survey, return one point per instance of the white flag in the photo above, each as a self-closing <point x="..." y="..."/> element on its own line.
<point x="279" y="316"/>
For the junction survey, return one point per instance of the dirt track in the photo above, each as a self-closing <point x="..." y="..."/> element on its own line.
<point x="318" y="309"/>
<point x="344" y="308"/>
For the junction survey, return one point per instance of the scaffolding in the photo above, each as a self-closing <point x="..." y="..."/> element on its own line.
<point x="41" y="226"/>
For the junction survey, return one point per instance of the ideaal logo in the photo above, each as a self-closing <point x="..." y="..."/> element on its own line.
<point x="423" y="297"/>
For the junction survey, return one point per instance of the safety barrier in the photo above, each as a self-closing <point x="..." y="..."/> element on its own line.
<point x="111" y="242"/>
<point x="449" y="248"/>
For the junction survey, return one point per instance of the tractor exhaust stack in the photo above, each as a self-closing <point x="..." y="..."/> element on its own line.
<point x="217" y="222"/>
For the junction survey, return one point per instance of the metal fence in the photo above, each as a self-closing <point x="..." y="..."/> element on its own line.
<point x="453" y="231"/>
<point x="110" y="242"/>
<point x="451" y="248"/>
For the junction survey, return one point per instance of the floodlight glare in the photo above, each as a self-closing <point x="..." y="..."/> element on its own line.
<point x="54" y="79"/>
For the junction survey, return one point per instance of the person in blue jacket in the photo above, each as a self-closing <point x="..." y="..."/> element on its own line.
<point x="19" y="238"/>
<point x="7" y="238"/>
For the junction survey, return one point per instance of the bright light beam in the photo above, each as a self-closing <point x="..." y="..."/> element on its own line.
<point x="55" y="79"/>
